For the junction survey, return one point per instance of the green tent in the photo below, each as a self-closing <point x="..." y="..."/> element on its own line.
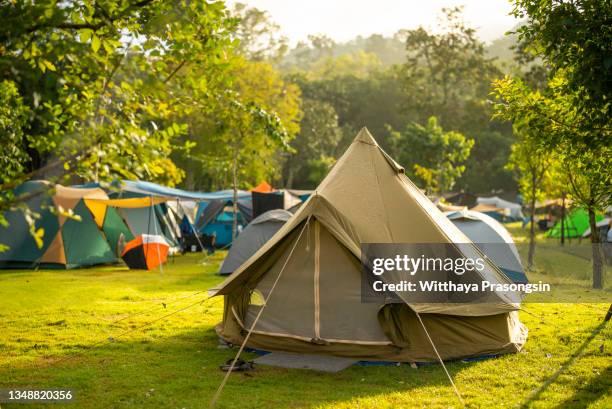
<point x="576" y="223"/>
<point x="66" y="242"/>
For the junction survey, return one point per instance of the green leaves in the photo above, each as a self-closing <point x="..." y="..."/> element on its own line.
<point x="433" y="156"/>
<point x="95" y="43"/>
<point x="107" y="75"/>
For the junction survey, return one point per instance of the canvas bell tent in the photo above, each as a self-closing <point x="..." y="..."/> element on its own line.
<point x="252" y="238"/>
<point x="493" y="239"/>
<point x="67" y="242"/>
<point x="310" y="274"/>
<point x="575" y="224"/>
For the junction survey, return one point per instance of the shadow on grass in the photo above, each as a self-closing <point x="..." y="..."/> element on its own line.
<point x="593" y="391"/>
<point x="580" y="351"/>
<point x="183" y="371"/>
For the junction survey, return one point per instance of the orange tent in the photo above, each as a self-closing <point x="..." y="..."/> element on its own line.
<point x="263" y="187"/>
<point x="145" y="252"/>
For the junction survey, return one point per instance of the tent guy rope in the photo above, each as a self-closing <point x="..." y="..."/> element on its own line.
<point x="248" y="335"/>
<point x="450" y="378"/>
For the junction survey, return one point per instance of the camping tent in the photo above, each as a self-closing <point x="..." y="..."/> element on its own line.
<point x="216" y="217"/>
<point x="146" y="218"/>
<point x="263" y="187"/>
<point x="493" y="239"/>
<point x="280" y="199"/>
<point x="316" y="304"/>
<point x="252" y="238"/>
<point x="575" y="225"/>
<point x="461" y="199"/>
<point x="514" y="209"/>
<point x="603" y="225"/>
<point x="496" y="213"/>
<point x="67" y="242"/>
<point x="145" y="252"/>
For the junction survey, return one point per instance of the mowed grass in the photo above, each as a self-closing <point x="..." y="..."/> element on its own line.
<point x="124" y="339"/>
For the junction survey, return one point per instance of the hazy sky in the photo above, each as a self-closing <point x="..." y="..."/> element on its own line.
<point x="345" y="19"/>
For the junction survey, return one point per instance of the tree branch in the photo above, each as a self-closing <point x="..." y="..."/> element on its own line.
<point x="92" y="26"/>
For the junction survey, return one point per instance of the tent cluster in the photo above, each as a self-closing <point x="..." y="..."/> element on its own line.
<point x="309" y="274"/>
<point x="85" y="225"/>
<point x="78" y="227"/>
<point x="305" y="247"/>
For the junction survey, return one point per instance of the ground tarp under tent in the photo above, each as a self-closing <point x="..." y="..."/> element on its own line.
<point x="67" y="242"/>
<point x="316" y="304"/>
<point x="515" y="211"/>
<point x="252" y="238"/>
<point x="493" y="239"/>
<point x="575" y="225"/>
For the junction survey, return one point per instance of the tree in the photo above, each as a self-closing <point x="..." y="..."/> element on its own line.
<point x="315" y="146"/>
<point x="101" y="78"/>
<point x="446" y="73"/>
<point x="574" y="39"/>
<point x="258" y="35"/>
<point x="431" y="155"/>
<point x="553" y="116"/>
<point x="237" y="141"/>
<point x="14" y="117"/>
<point x="104" y="83"/>
<point x="534" y="168"/>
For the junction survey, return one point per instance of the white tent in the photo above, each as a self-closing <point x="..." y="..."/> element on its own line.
<point x="514" y="208"/>
<point x="602" y="224"/>
<point x="493" y="239"/>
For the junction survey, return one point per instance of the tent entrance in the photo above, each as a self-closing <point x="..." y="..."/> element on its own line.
<point x="318" y="298"/>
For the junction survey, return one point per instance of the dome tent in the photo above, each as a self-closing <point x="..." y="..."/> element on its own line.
<point x="493" y="239"/>
<point x="252" y="238"/>
<point x="216" y="217"/>
<point x="575" y="224"/>
<point x="316" y="305"/>
<point x="67" y="242"/>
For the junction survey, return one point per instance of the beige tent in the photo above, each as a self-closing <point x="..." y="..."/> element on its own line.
<point x="316" y="304"/>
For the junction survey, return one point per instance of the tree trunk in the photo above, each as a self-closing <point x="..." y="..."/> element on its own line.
<point x="597" y="256"/>
<point x="288" y="173"/>
<point x="289" y="183"/>
<point x="235" y="196"/>
<point x="531" y="254"/>
<point x="563" y="219"/>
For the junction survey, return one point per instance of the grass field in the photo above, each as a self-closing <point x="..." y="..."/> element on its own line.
<point x="81" y="329"/>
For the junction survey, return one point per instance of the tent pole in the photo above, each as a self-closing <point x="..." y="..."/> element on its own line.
<point x="248" y="335"/>
<point x="195" y="231"/>
<point x="440" y="359"/>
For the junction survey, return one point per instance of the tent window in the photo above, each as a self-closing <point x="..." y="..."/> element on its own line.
<point x="257" y="298"/>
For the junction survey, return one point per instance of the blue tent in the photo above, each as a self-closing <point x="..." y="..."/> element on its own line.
<point x="216" y="217"/>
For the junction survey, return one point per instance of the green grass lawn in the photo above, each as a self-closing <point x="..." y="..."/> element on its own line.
<point x="63" y="329"/>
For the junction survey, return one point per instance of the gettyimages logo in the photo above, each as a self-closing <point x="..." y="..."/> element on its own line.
<point x="445" y="273"/>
